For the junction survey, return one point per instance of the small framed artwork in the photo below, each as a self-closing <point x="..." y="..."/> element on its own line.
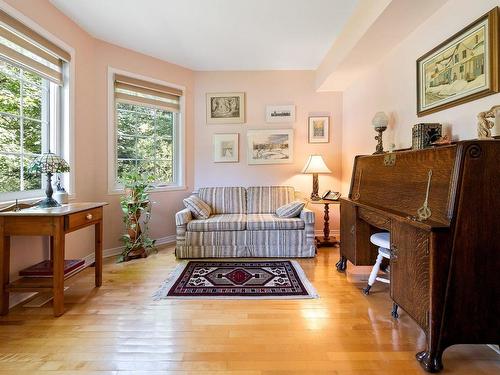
<point x="280" y="113"/>
<point x="226" y="108"/>
<point x="461" y="69"/>
<point x="226" y="148"/>
<point x="319" y="129"/>
<point x="270" y="146"/>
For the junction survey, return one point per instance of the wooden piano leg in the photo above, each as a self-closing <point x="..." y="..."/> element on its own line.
<point x="430" y="361"/>
<point x="341" y="264"/>
<point x="394" y="312"/>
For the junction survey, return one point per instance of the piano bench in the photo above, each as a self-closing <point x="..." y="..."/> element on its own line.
<point x="383" y="241"/>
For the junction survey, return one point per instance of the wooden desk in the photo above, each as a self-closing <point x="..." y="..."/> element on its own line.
<point x="326" y="241"/>
<point x="54" y="222"/>
<point x="442" y="210"/>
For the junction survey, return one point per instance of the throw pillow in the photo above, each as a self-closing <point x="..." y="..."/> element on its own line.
<point x="291" y="209"/>
<point x="199" y="208"/>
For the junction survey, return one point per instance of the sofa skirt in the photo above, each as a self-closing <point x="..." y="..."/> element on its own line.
<point x="247" y="244"/>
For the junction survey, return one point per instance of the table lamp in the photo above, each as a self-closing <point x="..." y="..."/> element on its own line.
<point x="48" y="163"/>
<point x="380" y="122"/>
<point x="314" y="165"/>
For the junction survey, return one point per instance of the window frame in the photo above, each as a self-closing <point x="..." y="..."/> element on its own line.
<point x="62" y="138"/>
<point x="114" y="187"/>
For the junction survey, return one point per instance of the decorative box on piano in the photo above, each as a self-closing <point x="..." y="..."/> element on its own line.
<point x="442" y="208"/>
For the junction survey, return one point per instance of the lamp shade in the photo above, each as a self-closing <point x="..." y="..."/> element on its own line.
<point x="380" y="120"/>
<point x="315" y="164"/>
<point x="49" y="163"/>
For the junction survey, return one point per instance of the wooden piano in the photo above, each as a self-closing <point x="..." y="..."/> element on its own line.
<point x="442" y="208"/>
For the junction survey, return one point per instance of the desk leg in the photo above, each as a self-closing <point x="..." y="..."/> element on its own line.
<point x="58" y="269"/>
<point x="98" y="254"/>
<point x="4" y="270"/>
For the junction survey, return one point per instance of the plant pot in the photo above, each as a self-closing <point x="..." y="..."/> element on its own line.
<point x="135" y="254"/>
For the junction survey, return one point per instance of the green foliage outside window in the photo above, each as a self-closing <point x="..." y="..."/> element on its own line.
<point x="21" y="127"/>
<point x="145" y="141"/>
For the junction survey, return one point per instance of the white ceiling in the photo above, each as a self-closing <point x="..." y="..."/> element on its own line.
<point x="217" y="34"/>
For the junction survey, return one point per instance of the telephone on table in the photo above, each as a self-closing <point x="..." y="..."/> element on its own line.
<point x="330" y="195"/>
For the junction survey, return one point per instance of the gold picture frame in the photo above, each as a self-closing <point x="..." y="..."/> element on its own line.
<point x="318" y="129"/>
<point x="463" y="68"/>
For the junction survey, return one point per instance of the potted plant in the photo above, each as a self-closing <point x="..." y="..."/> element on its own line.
<point x="136" y="207"/>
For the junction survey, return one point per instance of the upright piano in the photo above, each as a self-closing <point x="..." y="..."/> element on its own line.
<point x="442" y="208"/>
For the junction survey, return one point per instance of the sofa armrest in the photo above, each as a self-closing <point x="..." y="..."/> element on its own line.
<point x="183" y="217"/>
<point x="307" y="215"/>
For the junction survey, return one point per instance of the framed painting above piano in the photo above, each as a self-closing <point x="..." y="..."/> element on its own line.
<point x="463" y="68"/>
<point x="442" y="209"/>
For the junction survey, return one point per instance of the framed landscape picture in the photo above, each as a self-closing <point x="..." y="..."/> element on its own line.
<point x="319" y="129"/>
<point x="461" y="69"/>
<point x="226" y="148"/>
<point x="270" y="146"/>
<point x="280" y="113"/>
<point x="226" y="108"/>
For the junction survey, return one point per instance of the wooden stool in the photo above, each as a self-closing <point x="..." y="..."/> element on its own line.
<point x="383" y="241"/>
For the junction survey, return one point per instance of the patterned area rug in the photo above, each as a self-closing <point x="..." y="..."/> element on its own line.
<point x="269" y="279"/>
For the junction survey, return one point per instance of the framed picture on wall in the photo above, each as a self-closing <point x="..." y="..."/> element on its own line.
<point x="463" y="68"/>
<point x="270" y="146"/>
<point x="226" y="108"/>
<point x="226" y="148"/>
<point x="319" y="129"/>
<point x="280" y="113"/>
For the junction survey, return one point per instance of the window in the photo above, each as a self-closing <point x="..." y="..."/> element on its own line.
<point x="147" y="131"/>
<point x="31" y="78"/>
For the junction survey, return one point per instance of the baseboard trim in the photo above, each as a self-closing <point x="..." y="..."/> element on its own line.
<point x="18" y="298"/>
<point x="333" y="232"/>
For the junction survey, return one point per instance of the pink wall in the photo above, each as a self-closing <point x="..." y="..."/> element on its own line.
<point x="390" y="86"/>
<point x="165" y="204"/>
<point x="91" y="60"/>
<point x="263" y="88"/>
<point x="28" y="250"/>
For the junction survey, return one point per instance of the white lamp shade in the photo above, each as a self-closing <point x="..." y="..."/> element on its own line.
<point x="380" y="120"/>
<point x="315" y="164"/>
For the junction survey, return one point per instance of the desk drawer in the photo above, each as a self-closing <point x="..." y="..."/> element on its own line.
<point x="375" y="219"/>
<point x="81" y="219"/>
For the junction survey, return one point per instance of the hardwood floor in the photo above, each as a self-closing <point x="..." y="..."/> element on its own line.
<point x="118" y="329"/>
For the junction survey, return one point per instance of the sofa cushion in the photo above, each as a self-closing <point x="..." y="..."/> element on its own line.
<point x="271" y="221"/>
<point x="266" y="199"/>
<point x="291" y="209"/>
<point x="199" y="208"/>
<point x="220" y="222"/>
<point x="225" y="200"/>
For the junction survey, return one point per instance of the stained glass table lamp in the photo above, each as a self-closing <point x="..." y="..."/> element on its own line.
<point x="49" y="163"/>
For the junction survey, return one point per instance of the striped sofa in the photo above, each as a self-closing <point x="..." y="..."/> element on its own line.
<point x="243" y="223"/>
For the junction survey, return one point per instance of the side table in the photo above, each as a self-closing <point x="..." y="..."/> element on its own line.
<point x="326" y="240"/>
<point x="56" y="223"/>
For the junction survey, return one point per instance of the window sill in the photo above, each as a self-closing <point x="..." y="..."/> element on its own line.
<point x="31" y="200"/>
<point x="153" y="191"/>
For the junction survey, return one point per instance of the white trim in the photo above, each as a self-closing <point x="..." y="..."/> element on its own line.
<point x="114" y="251"/>
<point x="161" y="293"/>
<point x="69" y="118"/>
<point x="155" y="190"/>
<point x="179" y="145"/>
